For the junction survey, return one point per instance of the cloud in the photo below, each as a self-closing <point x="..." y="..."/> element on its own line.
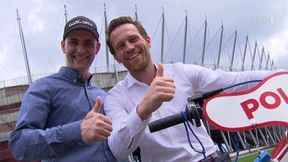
<point x="43" y="22"/>
<point x="3" y="52"/>
<point x="33" y="18"/>
<point x="277" y="45"/>
<point x="7" y="63"/>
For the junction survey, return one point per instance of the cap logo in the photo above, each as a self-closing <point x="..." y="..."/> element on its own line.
<point x="80" y="22"/>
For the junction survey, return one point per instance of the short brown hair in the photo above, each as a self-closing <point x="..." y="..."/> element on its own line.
<point x="120" y="21"/>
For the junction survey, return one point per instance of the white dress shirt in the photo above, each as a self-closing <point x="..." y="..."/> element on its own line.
<point x="170" y="144"/>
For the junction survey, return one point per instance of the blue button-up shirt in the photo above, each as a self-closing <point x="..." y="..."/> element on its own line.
<point x="48" y="125"/>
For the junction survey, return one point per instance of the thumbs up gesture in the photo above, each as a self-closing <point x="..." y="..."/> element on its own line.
<point x="95" y="126"/>
<point x="160" y="71"/>
<point x="161" y="90"/>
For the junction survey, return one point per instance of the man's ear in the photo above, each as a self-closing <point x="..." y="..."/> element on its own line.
<point x="63" y="46"/>
<point x="148" y="41"/>
<point x="98" y="45"/>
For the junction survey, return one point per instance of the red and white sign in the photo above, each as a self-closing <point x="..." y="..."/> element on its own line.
<point x="280" y="151"/>
<point x="264" y="105"/>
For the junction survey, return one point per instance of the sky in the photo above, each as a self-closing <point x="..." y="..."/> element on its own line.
<point x="42" y="21"/>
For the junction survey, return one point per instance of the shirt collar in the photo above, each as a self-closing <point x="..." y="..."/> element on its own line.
<point x="131" y="80"/>
<point x="73" y="75"/>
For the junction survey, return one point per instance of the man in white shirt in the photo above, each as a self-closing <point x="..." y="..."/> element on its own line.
<point x="151" y="92"/>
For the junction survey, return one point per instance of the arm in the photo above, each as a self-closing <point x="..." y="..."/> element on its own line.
<point x="205" y="79"/>
<point x="31" y="139"/>
<point x="128" y="128"/>
<point x="130" y="120"/>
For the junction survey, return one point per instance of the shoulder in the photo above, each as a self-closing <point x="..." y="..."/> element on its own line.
<point x="119" y="90"/>
<point x="186" y="69"/>
<point x="44" y="84"/>
<point x="180" y="65"/>
<point x="120" y="86"/>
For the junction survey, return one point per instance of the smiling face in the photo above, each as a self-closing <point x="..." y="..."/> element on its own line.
<point x="131" y="49"/>
<point x="80" y="48"/>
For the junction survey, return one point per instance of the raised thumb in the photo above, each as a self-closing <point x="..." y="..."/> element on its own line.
<point x="97" y="105"/>
<point x="160" y="70"/>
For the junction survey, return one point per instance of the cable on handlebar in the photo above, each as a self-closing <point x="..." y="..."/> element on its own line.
<point x="186" y="124"/>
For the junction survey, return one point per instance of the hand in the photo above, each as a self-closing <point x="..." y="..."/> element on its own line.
<point x="161" y="89"/>
<point x="95" y="126"/>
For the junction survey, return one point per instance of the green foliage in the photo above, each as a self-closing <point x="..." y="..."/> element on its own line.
<point x="252" y="156"/>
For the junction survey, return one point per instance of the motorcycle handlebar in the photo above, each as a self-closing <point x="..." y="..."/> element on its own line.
<point x="192" y="112"/>
<point x="165" y="122"/>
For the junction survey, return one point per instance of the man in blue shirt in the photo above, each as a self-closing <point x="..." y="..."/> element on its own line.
<point x="60" y="117"/>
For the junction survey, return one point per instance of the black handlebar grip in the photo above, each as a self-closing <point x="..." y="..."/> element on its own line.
<point x="165" y="122"/>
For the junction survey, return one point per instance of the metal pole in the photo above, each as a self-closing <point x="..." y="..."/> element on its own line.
<point x="220" y="46"/>
<point x="261" y="58"/>
<point x="136" y="15"/>
<point x="253" y="57"/>
<point x="233" y="52"/>
<point x="267" y="61"/>
<point x="204" y="43"/>
<point x="65" y="14"/>
<point x="106" y="46"/>
<point x="185" y="38"/>
<point x="162" y="37"/>
<point x="24" y="49"/>
<point x="245" y="51"/>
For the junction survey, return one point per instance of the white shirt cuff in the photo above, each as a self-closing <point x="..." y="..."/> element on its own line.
<point x="136" y="124"/>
